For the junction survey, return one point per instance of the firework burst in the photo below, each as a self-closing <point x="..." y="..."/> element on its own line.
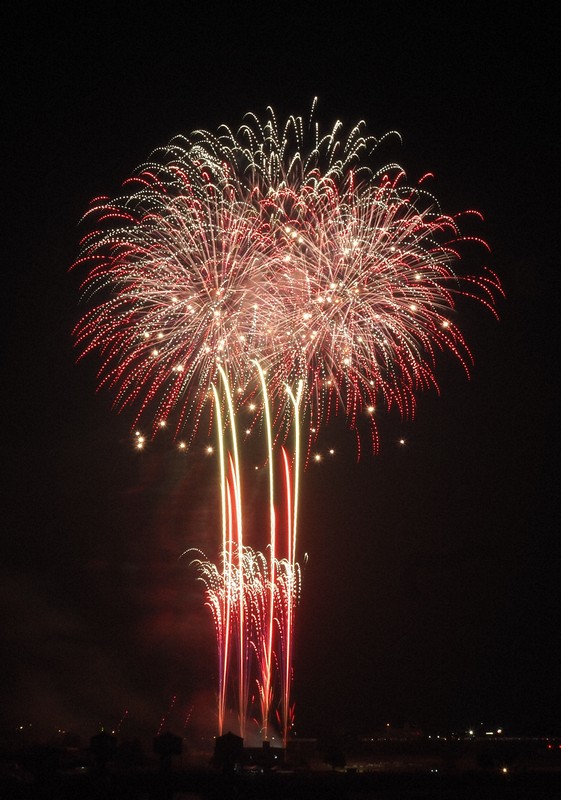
<point x="278" y="246"/>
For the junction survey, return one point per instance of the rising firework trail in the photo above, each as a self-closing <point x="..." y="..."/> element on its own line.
<point x="266" y="258"/>
<point x="252" y="596"/>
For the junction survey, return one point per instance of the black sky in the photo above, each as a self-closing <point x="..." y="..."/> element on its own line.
<point x="432" y="588"/>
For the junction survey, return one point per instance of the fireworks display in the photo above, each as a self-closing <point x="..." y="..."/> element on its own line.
<point x="278" y="263"/>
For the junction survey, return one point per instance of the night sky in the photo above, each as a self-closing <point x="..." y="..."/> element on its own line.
<point x="431" y="593"/>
